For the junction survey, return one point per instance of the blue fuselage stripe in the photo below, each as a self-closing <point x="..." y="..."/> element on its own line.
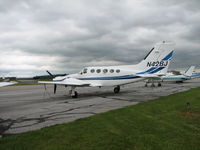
<point x="158" y="69"/>
<point x="168" y="56"/>
<point x="111" y="78"/>
<point x="149" y="70"/>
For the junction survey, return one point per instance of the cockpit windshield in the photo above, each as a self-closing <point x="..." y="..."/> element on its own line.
<point x="84" y="71"/>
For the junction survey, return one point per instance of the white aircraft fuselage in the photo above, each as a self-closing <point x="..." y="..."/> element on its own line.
<point x="105" y="75"/>
<point x="155" y="64"/>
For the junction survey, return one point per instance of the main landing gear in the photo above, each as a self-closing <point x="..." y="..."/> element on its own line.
<point x="117" y="89"/>
<point x="73" y="93"/>
<point x="153" y="84"/>
<point x="159" y="84"/>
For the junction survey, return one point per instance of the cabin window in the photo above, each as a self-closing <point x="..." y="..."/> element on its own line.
<point x="92" y="70"/>
<point x="98" y="70"/>
<point x="105" y="70"/>
<point x="111" y="70"/>
<point x="118" y="71"/>
<point x="85" y="70"/>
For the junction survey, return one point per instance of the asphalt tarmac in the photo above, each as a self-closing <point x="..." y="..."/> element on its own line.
<point x="25" y="108"/>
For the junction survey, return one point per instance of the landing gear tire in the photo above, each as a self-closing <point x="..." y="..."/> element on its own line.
<point x="117" y="89"/>
<point x="146" y="85"/>
<point x="75" y="94"/>
<point x="159" y="84"/>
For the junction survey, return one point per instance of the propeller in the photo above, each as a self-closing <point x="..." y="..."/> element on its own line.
<point x="54" y="74"/>
<point x="55" y="87"/>
<point x="49" y="73"/>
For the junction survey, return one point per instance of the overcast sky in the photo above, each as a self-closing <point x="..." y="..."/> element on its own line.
<point x="65" y="36"/>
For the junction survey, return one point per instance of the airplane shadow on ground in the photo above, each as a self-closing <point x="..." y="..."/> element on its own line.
<point x="86" y="95"/>
<point x="101" y="94"/>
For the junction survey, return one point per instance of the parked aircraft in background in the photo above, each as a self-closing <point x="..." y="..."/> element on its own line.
<point x="187" y="75"/>
<point x="170" y="77"/>
<point x="195" y="75"/>
<point x="6" y="82"/>
<point x="154" y="65"/>
<point x="2" y="84"/>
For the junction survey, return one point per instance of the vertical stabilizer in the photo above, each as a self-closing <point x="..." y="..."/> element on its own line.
<point x="189" y="71"/>
<point x="158" y="59"/>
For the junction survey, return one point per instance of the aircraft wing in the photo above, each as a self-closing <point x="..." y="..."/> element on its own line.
<point x="68" y="82"/>
<point x="2" y="84"/>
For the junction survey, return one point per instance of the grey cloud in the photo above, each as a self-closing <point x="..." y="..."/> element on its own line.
<point x="192" y="5"/>
<point x="80" y="32"/>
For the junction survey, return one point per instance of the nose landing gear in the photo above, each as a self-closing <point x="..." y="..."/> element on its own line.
<point x="117" y="89"/>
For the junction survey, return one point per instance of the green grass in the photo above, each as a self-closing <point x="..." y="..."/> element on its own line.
<point x="162" y="124"/>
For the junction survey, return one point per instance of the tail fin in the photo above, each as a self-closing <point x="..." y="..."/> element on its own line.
<point x="158" y="59"/>
<point x="189" y="71"/>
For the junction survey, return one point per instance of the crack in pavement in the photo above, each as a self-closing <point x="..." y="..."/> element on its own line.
<point x="40" y="120"/>
<point x="6" y="124"/>
<point x="119" y="99"/>
<point x="71" y="109"/>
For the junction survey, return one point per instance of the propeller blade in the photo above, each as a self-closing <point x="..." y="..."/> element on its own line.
<point x="55" y="87"/>
<point x="50" y="73"/>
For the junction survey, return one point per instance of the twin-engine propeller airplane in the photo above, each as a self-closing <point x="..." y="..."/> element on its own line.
<point x="154" y="65"/>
